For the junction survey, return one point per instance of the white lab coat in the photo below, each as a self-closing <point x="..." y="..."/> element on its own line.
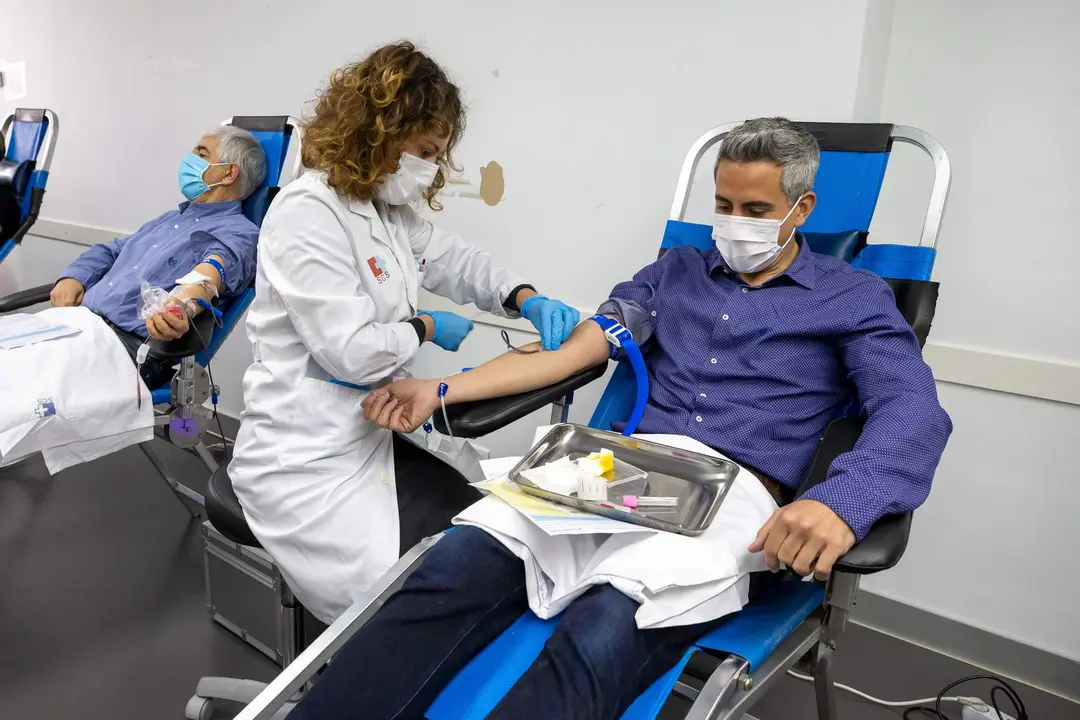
<point x="337" y="281"/>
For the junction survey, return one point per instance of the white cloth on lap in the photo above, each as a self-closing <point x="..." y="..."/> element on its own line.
<point x="678" y="580"/>
<point x="72" y="399"/>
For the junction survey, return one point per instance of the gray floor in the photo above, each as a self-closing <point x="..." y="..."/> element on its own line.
<point x="102" y="612"/>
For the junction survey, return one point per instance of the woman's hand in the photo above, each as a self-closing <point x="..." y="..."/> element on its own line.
<point x="402" y="406"/>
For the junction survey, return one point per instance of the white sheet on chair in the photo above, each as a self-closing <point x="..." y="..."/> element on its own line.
<point x="678" y="580"/>
<point x="73" y="398"/>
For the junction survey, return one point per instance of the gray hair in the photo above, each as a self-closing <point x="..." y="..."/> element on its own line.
<point x="781" y="142"/>
<point x="239" y="147"/>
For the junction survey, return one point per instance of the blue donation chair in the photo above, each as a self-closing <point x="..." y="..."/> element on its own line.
<point x="797" y="624"/>
<point x="27" y="140"/>
<point x="179" y="406"/>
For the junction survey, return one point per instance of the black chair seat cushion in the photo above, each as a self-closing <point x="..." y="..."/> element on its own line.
<point x="224" y="512"/>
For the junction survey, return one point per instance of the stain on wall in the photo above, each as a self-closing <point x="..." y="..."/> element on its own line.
<point x="492" y="184"/>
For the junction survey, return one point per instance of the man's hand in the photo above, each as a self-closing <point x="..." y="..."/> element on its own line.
<point x="68" y="292"/>
<point x="169" y="324"/>
<point x="805" y="536"/>
<point x="402" y="406"/>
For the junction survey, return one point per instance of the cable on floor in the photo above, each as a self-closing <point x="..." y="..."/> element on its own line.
<point x="923" y="705"/>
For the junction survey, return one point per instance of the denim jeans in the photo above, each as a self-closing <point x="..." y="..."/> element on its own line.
<point x="464" y="595"/>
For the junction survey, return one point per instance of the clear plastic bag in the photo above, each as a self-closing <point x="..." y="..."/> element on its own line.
<point x="153" y="300"/>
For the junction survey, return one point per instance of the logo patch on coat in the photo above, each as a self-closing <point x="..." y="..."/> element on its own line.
<point x="45" y="408"/>
<point x="375" y="263"/>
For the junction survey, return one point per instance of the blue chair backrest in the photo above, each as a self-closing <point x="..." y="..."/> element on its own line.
<point x="25" y="142"/>
<point x="274" y="134"/>
<point x="854" y="158"/>
<point x="30" y="134"/>
<point x="27" y="135"/>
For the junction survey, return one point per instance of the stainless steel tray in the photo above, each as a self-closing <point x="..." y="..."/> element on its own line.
<point x="698" y="481"/>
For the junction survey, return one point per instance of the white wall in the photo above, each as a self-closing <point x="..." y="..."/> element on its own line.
<point x="996" y="82"/>
<point x="994" y="545"/>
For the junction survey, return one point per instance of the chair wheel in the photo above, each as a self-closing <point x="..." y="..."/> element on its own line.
<point x="199" y="708"/>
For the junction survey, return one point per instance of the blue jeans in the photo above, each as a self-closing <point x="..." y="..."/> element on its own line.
<point x="464" y="595"/>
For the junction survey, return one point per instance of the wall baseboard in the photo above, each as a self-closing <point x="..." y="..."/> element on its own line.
<point x="998" y="655"/>
<point x="1002" y="372"/>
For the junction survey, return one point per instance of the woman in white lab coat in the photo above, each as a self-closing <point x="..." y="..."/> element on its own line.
<point x="342" y="257"/>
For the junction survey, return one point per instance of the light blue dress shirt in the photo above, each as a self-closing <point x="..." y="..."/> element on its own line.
<point x="160" y="252"/>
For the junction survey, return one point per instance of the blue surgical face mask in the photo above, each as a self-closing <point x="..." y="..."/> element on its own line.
<point x="190" y="176"/>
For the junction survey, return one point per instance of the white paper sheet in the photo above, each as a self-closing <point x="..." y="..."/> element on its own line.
<point x="555" y="519"/>
<point x="498" y="467"/>
<point x="20" y="329"/>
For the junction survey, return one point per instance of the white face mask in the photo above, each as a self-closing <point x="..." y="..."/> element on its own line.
<point x="749" y="244"/>
<point x="412" y="179"/>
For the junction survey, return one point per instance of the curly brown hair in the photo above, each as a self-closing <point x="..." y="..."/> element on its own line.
<point x="370" y="108"/>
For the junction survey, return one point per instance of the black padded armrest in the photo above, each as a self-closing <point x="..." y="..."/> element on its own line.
<point x="885" y="543"/>
<point x="882" y="547"/>
<point x="192" y="342"/>
<point x="475" y="419"/>
<point x="25" y="298"/>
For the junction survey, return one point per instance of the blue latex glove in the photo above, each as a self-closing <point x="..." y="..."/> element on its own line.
<point x="450" y="328"/>
<point x="553" y="318"/>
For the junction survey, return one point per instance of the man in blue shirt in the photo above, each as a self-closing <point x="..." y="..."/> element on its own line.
<point x="752" y="348"/>
<point x="207" y="241"/>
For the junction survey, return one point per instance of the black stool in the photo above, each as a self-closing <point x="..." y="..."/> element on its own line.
<point x="297" y="626"/>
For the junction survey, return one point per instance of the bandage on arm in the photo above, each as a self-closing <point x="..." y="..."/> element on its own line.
<point x="204" y="282"/>
<point x="515" y="372"/>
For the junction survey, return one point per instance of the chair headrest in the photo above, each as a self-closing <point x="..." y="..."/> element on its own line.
<point x="273" y="133"/>
<point x="851" y="137"/>
<point x="16" y="175"/>
<point x="27" y="135"/>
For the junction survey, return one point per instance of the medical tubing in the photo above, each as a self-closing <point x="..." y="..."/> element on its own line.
<point x="443" y="387"/>
<point x="206" y="305"/>
<point x="506" y="339"/>
<point x="641" y="373"/>
<point x="618" y="336"/>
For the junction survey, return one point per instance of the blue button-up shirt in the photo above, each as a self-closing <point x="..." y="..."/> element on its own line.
<point x="160" y="252"/>
<point x="758" y="372"/>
